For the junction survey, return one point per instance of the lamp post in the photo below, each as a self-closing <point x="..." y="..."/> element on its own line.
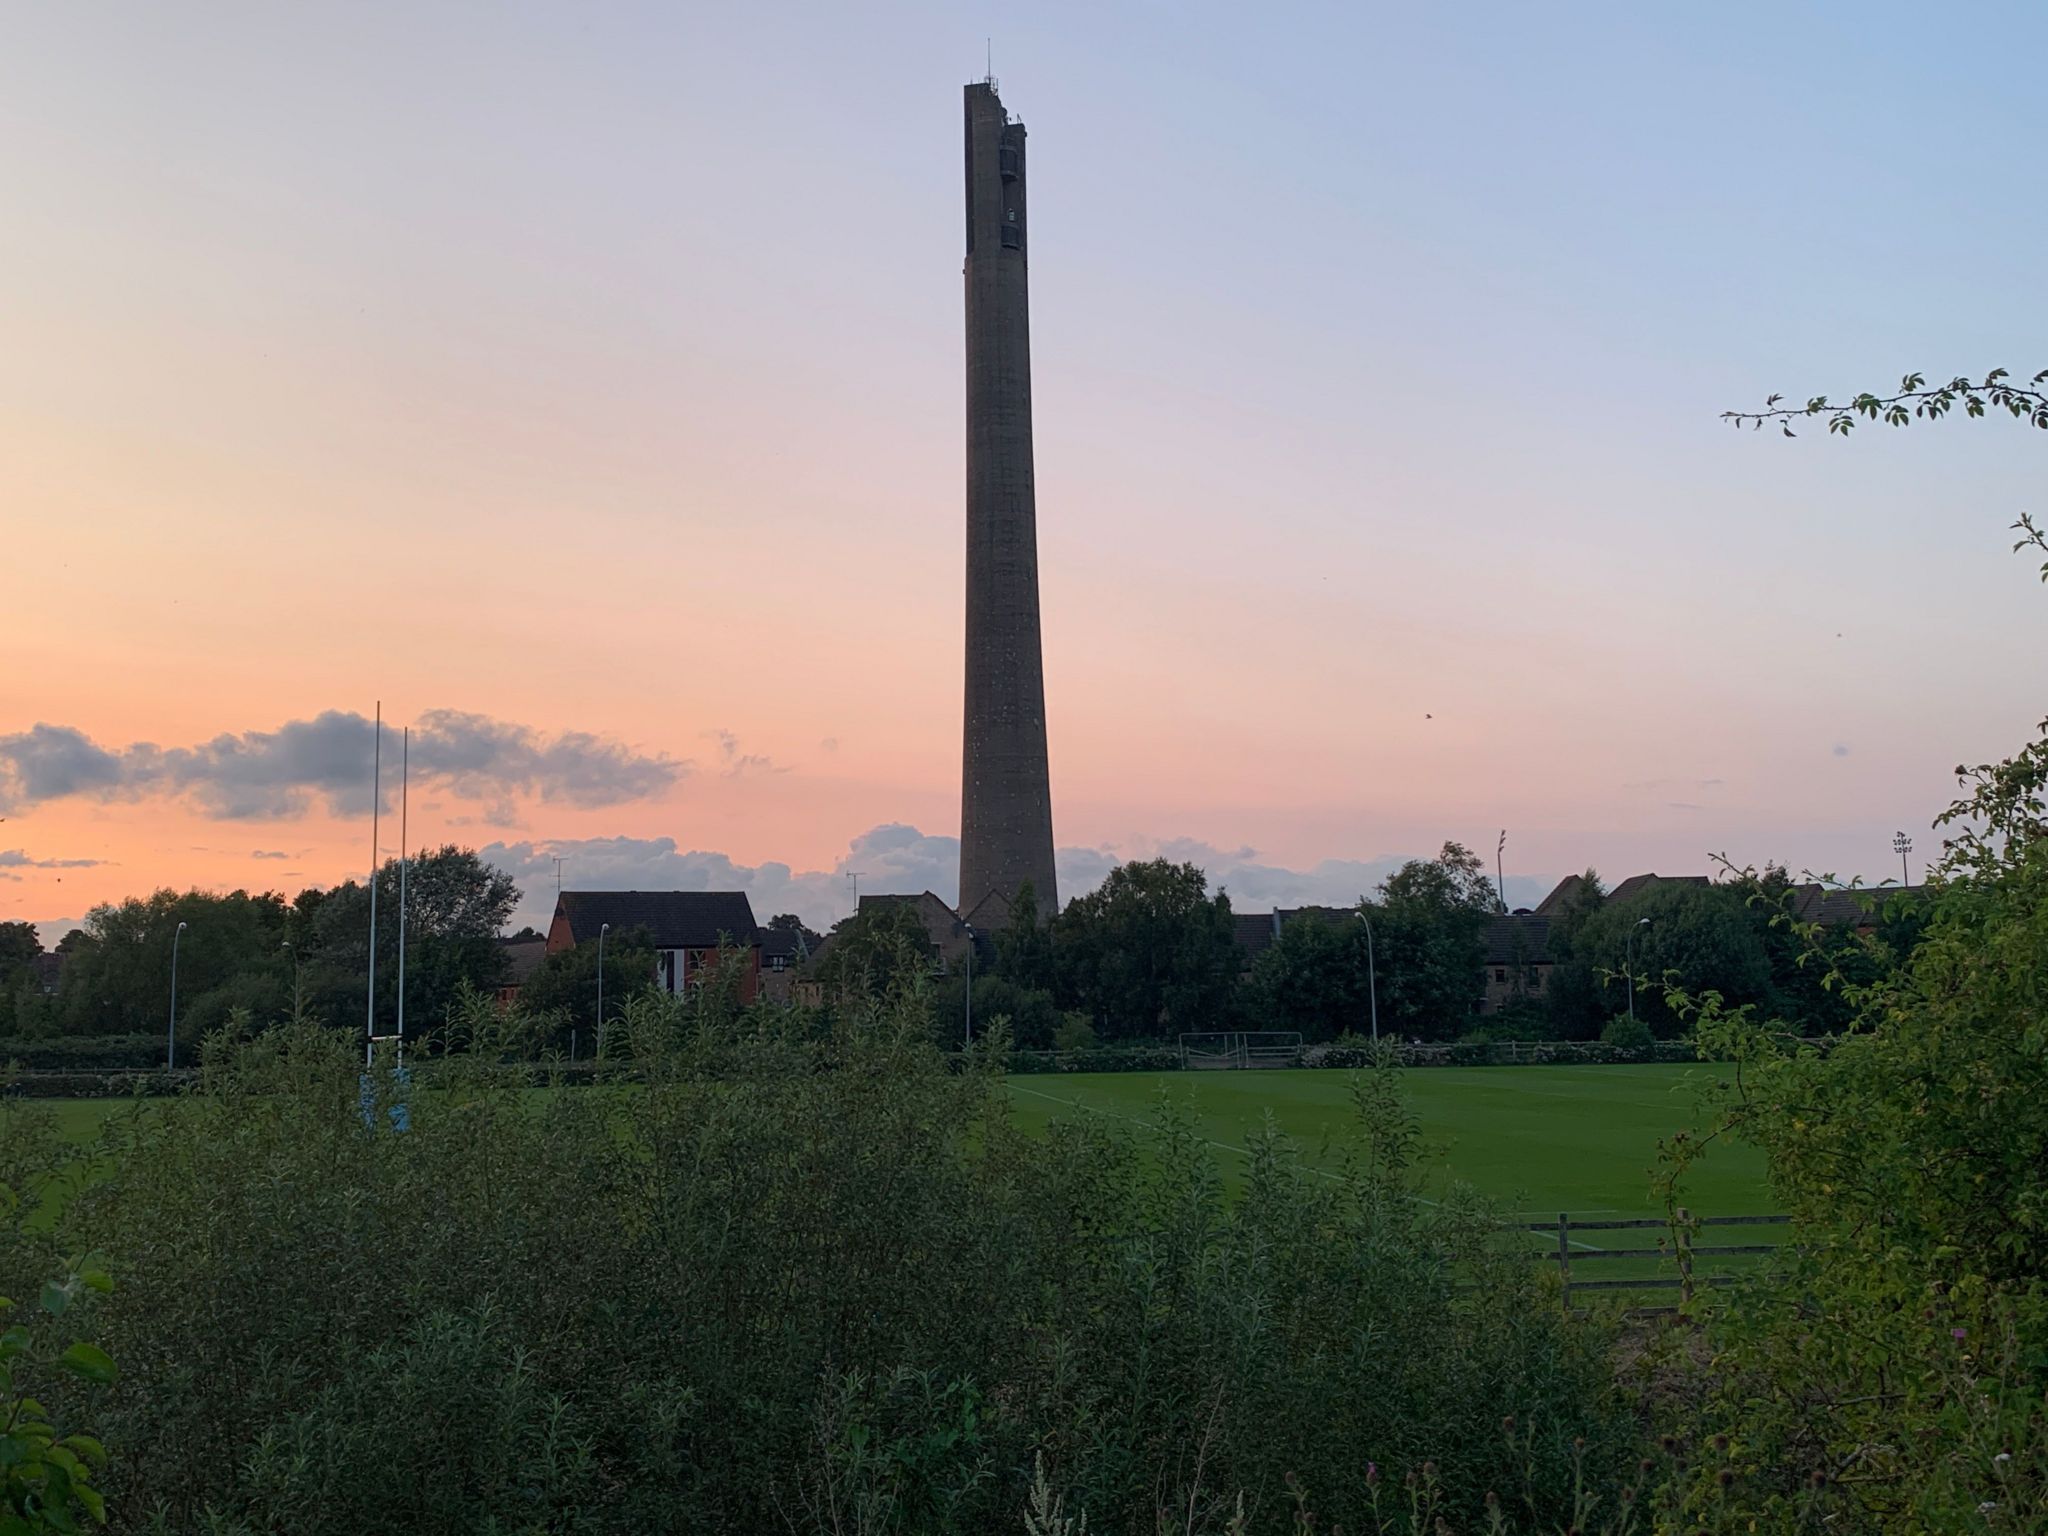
<point x="1903" y="845"/>
<point x="171" y="1040"/>
<point x="1641" y="922"/>
<point x="297" y="974"/>
<point x="970" y="980"/>
<point x="1372" y="980"/>
<point x="602" y="930"/>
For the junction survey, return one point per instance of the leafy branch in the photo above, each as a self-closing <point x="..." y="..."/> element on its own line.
<point x="1915" y="400"/>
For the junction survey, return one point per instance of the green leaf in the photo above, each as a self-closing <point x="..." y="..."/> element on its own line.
<point x="89" y="1448"/>
<point x="96" y="1280"/>
<point x="89" y="1361"/>
<point x="55" y="1298"/>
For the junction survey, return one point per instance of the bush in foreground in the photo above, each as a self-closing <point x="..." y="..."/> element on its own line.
<point x="785" y="1282"/>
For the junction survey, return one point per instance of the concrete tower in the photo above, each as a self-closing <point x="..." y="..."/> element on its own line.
<point x="1005" y="789"/>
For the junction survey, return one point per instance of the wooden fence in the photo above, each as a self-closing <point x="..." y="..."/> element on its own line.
<point x="1684" y="1252"/>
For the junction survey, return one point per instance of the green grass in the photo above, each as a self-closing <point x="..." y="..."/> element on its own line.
<point x="1536" y="1140"/>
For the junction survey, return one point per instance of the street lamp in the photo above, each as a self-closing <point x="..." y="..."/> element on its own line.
<point x="297" y="974"/>
<point x="171" y="1041"/>
<point x="970" y="979"/>
<point x="1372" y="980"/>
<point x="1903" y="845"/>
<point x="602" y="930"/>
<point x="1641" y="922"/>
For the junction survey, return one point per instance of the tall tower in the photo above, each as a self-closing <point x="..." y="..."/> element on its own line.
<point x="1005" y="788"/>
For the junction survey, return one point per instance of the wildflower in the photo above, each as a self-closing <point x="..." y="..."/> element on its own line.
<point x="1724" y="1477"/>
<point x="1818" y="1478"/>
<point x="1578" y="1442"/>
<point x="1627" y="1495"/>
<point x="2003" y="1456"/>
<point x="1645" y="1464"/>
<point x="1959" y="1333"/>
<point x="1429" y="1469"/>
<point x="1372" y="1474"/>
<point x="1492" y="1499"/>
<point x="1987" y="1506"/>
<point x="1508" y="1423"/>
<point x="1667" y="1442"/>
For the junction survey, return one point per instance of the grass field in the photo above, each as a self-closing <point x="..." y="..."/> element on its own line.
<point x="1538" y="1140"/>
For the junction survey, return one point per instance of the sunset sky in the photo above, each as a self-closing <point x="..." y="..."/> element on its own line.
<point x="584" y="382"/>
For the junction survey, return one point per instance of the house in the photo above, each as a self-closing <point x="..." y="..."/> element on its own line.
<point x="948" y="937"/>
<point x="1836" y="907"/>
<point x="687" y="928"/>
<point x="522" y="958"/>
<point x="1566" y="890"/>
<point x="1517" y="959"/>
<point x="1257" y="932"/>
<point x="783" y="953"/>
<point x="945" y="931"/>
<point x="49" y="971"/>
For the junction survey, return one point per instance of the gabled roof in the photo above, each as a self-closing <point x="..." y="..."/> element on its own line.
<point x="785" y="942"/>
<point x="522" y="959"/>
<point x="1635" y="885"/>
<point x="1847" y="908"/>
<point x="1254" y="932"/>
<point x="673" y="919"/>
<point x="1516" y="939"/>
<point x="1561" y="894"/>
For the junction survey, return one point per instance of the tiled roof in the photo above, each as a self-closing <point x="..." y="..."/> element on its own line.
<point x="1635" y="885"/>
<point x="673" y="919"/>
<point x="1254" y="932"/>
<point x="522" y="958"/>
<point x="1514" y="939"/>
<point x="1837" y="907"/>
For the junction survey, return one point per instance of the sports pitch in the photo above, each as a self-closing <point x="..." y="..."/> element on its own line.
<point x="1537" y="1140"/>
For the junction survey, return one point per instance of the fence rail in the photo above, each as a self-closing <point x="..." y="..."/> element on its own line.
<point x="1683" y="1252"/>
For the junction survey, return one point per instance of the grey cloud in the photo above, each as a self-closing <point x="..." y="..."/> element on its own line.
<point x="17" y="858"/>
<point x="271" y="853"/>
<point x="734" y="763"/>
<point x="283" y="773"/>
<point x="1840" y="750"/>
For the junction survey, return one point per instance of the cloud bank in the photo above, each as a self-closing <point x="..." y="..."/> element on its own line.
<point x="325" y="761"/>
<point x="894" y="857"/>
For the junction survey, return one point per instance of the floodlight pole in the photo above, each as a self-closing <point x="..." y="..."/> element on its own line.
<point x="1903" y="845"/>
<point x="297" y="1004"/>
<point x="1641" y="922"/>
<point x="602" y="930"/>
<point x="171" y="1042"/>
<point x="1372" y="980"/>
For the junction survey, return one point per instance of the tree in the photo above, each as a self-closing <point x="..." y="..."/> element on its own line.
<point x="1313" y="978"/>
<point x="1429" y="935"/>
<point x="1149" y="952"/>
<point x="1024" y="950"/>
<point x="1698" y="939"/>
<point x="879" y="952"/>
<point x="1913" y="401"/>
<point x="20" y="947"/>
<point x="564" y="987"/>
<point x="789" y="922"/>
<point x="117" y="978"/>
<point x="455" y="905"/>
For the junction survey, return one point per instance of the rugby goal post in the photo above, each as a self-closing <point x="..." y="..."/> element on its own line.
<point x="1241" y="1049"/>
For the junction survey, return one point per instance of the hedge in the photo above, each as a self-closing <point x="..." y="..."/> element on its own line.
<point x="84" y="1053"/>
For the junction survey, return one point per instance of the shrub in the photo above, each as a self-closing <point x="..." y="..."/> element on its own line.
<point x="780" y="1281"/>
<point x="1627" y="1034"/>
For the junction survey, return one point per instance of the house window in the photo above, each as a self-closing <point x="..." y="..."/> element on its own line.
<point x="1500" y="973"/>
<point x="1013" y="238"/>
